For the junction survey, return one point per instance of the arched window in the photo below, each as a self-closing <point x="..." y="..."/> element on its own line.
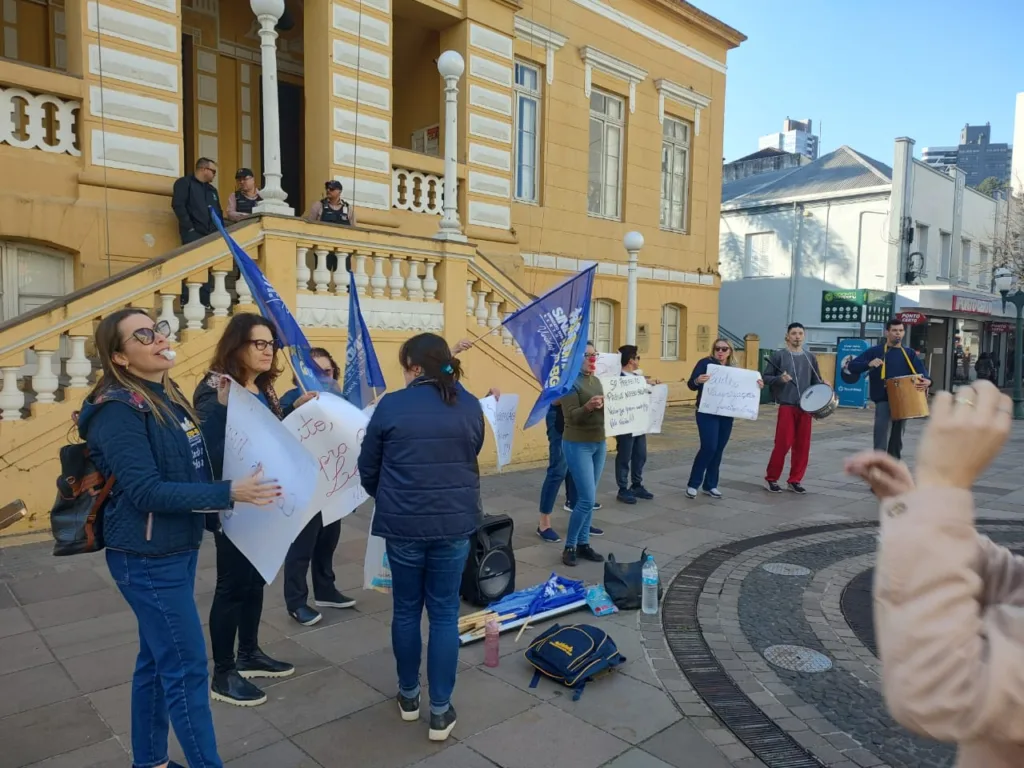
<point x="673" y="332"/>
<point x="602" y="325"/>
<point x="30" y="276"/>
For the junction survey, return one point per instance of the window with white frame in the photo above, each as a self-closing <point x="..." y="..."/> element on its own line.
<point x="604" y="181"/>
<point x="675" y="173"/>
<point x="757" y="255"/>
<point x="601" y="330"/>
<point x="527" y="146"/>
<point x="671" y="322"/>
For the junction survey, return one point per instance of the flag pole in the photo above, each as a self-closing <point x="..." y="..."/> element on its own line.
<point x="475" y="339"/>
<point x="295" y="373"/>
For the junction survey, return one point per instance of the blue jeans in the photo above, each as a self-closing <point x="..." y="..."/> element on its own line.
<point x="585" y="461"/>
<point x="427" y="572"/>
<point x="170" y="681"/>
<point x="557" y="470"/>
<point x="714" y="435"/>
<point x="630" y="454"/>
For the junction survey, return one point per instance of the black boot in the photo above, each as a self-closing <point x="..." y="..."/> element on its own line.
<point x="232" y="688"/>
<point x="258" y="664"/>
<point x="569" y="556"/>
<point x="587" y="553"/>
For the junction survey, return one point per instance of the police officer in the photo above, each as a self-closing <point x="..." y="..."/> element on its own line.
<point x="245" y="198"/>
<point x="332" y="209"/>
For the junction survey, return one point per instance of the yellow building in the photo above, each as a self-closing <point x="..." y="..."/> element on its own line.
<point x="573" y="123"/>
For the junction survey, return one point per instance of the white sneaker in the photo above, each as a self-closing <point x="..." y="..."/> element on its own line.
<point x="691" y="493"/>
<point x="714" y="493"/>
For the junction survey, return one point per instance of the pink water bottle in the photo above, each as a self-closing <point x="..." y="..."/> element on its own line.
<point x="491" y="643"/>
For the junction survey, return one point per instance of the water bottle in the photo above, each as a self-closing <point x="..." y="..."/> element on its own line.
<point x="650" y="593"/>
<point x="491" y="634"/>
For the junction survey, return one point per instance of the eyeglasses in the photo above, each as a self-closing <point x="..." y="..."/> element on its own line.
<point x="721" y="349"/>
<point x="262" y="344"/>
<point x="148" y="335"/>
<point x="590" y="357"/>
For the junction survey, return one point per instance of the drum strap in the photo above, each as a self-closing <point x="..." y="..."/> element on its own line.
<point x="810" y="362"/>
<point x="910" y="365"/>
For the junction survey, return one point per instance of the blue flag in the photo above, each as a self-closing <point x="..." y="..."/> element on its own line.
<point x="363" y="378"/>
<point x="552" y="332"/>
<point x="273" y="308"/>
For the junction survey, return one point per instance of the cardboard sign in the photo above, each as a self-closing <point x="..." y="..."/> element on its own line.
<point x="659" y="400"/>
<point x="731" y="392"/>
<point x="501" y="415"/>
<point x="627" y="405"/>
<point x="608" y="364"/>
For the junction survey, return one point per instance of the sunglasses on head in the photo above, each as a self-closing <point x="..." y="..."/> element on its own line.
<point x="262" y="344"/>
<point x="148" y="335"/>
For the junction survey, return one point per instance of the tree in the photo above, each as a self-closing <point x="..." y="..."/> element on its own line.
<point x="990" y="186"/>
<point x="1009" y="237"/>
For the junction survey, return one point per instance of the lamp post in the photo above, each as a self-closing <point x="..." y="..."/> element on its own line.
<point x="268" y="12"/>
<point x="1004" y="282"/>
<point x="450" y="65"/>
<point x="633" y="242"/>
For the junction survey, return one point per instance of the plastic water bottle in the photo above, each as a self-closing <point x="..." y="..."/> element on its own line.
<point x="650" y="593"/>
<point x="491" y="634"/>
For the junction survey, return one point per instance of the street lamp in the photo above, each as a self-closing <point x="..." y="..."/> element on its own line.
<point x="633" y="242"/>
<point x="1003" y="279"/>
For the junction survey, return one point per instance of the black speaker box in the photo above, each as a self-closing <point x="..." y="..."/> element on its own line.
<point x="490" y="572"/>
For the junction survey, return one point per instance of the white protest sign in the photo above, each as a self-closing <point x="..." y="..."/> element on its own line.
<point x="331" y="429"/>
<point x="659" y="399"/>
<point x="608" y="364"/>
<point x="501" y="415"/>
<point x="626" y="405"/>
<point x="731" y="392"/>
<point x="253" y="437"/>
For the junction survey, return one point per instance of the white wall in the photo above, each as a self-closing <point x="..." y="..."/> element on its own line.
<point x="826" y="238"/>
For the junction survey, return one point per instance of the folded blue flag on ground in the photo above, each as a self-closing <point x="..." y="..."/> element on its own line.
<point x="363" y="378"/>
<point x="552" y="332"/>
<point x="273" y="308"/>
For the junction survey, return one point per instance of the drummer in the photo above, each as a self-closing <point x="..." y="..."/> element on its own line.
<point x="887" y="361"/>
<point x="789" y="373"/>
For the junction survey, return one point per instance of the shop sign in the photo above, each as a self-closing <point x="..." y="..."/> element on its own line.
<point x="971" y="306"/>
<point x="911" y="318"/>
<point x="845" y="306"/>
<point x="1000" y="328"/>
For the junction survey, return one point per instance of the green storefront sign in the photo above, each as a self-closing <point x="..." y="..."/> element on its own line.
<point x="845" y="306"/>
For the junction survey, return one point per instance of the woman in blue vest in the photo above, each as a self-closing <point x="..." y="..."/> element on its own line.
<point x="419" y="463"/>
<point x="247" y="353"/>
<point x="141" y="431"/>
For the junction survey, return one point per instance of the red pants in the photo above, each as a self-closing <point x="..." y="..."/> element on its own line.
<point x="792" y="430"/>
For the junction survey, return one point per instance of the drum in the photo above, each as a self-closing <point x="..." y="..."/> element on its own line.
<point x="819" y="400"/>
<point x="906" y="401"/>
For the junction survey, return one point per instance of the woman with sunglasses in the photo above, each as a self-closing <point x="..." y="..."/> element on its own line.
<point x="247" y="353"/>
<point x="141" y="432"/>
<point x="714" y="430"/>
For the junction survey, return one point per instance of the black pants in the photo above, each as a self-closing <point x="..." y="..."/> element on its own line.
<point x="237" y="605"/>
<point x="316" y="545"/>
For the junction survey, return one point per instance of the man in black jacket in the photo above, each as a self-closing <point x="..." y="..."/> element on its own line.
<point x="193" y="196"/>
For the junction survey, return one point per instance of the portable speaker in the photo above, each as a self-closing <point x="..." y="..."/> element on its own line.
<point x="490" y="572"/>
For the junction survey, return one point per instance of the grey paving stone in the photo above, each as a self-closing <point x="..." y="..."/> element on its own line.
<point x="482" y="701"/>
<point x="114" y="705"/>
<point x="89" y="635"/>
<point x="300" y="703"/>
<point x="13" y="621"/>
<point x="30" y="737"/>
<point x="79" y="607"/>
<point x="281" y="754"/>
<point x="34" y="687"/>
<point x="553" y="735"/>
<point x="23" y="651"/>
<point x="51" y="586"/>
<point x="683" y="746"/>
<point x="102" y="669"/>
<point x="348" y="640"/>
<point x="105" y="754"/>
<point x="457" y="756"/>
<point x="637" y="758"/>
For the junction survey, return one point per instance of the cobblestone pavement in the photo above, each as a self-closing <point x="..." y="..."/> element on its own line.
<point x="763" y="654"/>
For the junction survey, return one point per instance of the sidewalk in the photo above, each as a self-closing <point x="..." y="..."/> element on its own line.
<point x="68" y="642"/>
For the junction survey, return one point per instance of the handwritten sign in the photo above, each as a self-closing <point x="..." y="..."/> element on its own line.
<point x="659" y="399"/>
<point x="331" y="430"/>
<point x="608" y="364"/>
<point x="254" y="437"/>
<point x="627" y="405"/>
<point x="501" y="415"/>
<point x="731" y="392"/>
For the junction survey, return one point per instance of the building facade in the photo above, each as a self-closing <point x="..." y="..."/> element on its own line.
<point x="976" y="156"/>
<point x="789" y="238"/>
<point x="796" y="136"/>
<point x="570" y="124"/>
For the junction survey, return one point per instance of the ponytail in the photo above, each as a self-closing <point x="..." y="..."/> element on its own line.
<point x="440" y="368"/>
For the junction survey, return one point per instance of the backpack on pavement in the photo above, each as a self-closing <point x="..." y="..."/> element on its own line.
<point x="573" y="655"/>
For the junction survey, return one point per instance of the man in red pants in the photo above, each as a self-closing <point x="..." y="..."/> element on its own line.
<point x="788" y="373"/>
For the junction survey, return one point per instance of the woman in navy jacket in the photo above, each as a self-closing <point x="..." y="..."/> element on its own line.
<point x="247" y="353"/>
<point x="141" y="431"/>
<point x="714" y="430"/>
<point x="419" y="462"/>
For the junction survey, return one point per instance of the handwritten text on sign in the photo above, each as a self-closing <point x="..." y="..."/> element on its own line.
<point x="627" y="405"/>
<point x="331" y="430"/>
<point x="254" y="437"/>
<point x="501" y="415"/>
<point x="608" y="364"/>
<point x="731" y="392"/>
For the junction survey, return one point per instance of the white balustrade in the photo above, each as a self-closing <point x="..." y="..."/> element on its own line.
<point x="413" y="284"/>
<point x="362" y="280"/>
<point x="378" y="282"/>
<point x="470" y="297"/>
<point x="302" y="273"/>
<point x="321" y="274"/>
<point x="339" y="278"/>
<point x="45" y="381"/>
<point x="220" y="299"/>
<point x="167" y="313"/>
<point x="493" y="319"/>
<point x="194" y="311"/>
<point x="481" y="307"/>
<point x="430" y="283"/>
<point x="244" y="294"/>
<point x="417" y="191"/>
<point x="24" y="122"/>
<point x="395" y="282"/>
<point x="506" y="335"/>
<point x="12" y="399"/>
<point x="78" y="366"/>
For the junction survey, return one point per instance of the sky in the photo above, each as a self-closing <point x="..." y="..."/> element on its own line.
<point x="870" y="71"/>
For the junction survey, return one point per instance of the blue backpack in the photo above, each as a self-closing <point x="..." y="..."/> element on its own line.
<point x="573" y="655"/>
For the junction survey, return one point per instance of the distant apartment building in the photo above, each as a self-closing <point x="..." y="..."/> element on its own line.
<point x="975" y="155"/>
<point x="796" y="136"/>
<point x="763" y="161"/>
<point x="939" y="158"/>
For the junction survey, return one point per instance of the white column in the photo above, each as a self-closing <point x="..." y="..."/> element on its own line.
<point x="451" y="65"/>
<point x="429" y="283"/>
<point x="268" y="12"/>
<point x="194" y="311"/>
<point x="413" y="283"/>
<point x="78" y="366"/>
<point x="493" y="320"/>
<point x="378" y="282"/>
<point x="45" y="382"/>
<point x="321" y="275"/>
<point x="481" y="308"/>
<point x="361" y="278"/>
<point x="302" y="273"/>
<point x="12" y="399"/>
<point x="242" y="289"/>
<point x="633" y="241"/>
<point x="167" y="313"/>
<point x="340" y="276"/>
<point x="220" y="299"/>
<point x="395" y="282"/>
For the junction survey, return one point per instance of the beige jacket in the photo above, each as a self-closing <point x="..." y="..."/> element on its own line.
<point x="949" y="618"/>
